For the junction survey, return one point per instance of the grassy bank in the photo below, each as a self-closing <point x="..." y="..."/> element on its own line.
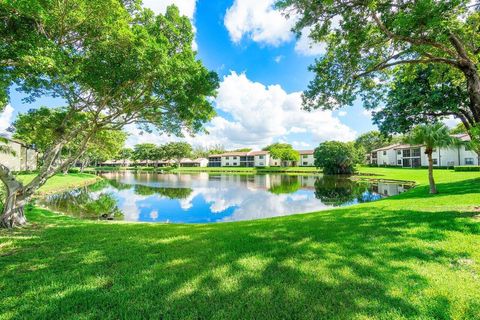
<point x="410" y="256"/>
<point x="62" y="182"/>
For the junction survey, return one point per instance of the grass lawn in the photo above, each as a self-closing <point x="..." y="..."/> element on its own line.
<point x="61" y="182"/>
<point x="410" y="256"/>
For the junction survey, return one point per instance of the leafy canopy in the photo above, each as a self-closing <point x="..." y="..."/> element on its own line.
<point x="433" y="136"/>
<point x="336" y="157"/>
<point x="282" y="151"/>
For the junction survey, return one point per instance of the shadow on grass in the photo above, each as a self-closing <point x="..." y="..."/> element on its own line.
<point x="342" y="264"/>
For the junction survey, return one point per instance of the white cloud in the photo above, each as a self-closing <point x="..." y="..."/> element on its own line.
<point x="451" y="121"/>
<point x="186" y="8"/>
<point x="277" y="59"/>
<point x="342" y="113"/>
<point x="257" y="116"/>
<point x="6" y="118"/>
<point x="258" y="20"/>
<point x="307" y="47"/>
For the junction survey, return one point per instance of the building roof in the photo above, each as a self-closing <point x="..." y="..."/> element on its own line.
<point x="392" y="146"/>
<point x="239" y="154"/>
<point x="462" y="137"/>
<point x="198" y="160"/>
<point x="303" y="152"/>
<point x="407" y="146"/>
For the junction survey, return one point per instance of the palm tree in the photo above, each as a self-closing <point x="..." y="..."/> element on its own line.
<point x="432" y="136"/>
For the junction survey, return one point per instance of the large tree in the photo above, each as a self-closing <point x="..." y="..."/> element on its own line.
<point x="112" y="62"/>
<point x="371" y="140"/>
<point x="177" y="151"/>
<point x="145" y="151"/>
<point x="370" y="43"/>
<point x="283" y="152"/>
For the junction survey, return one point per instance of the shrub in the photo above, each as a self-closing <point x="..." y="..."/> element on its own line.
<point x="336" y="157"/>
<point x="467" y="168"/>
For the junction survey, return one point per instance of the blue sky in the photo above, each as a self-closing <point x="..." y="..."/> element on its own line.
<point x="263" y="69"/>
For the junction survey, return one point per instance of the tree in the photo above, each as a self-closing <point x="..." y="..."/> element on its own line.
<point x="371" y="140"/>
<point x="124" y="154"/>
<point x="459" y="129"/>
<point x="104" y="145"/>
<point x="152" y="78"/>
<point x="432" y="136"/>
<point x="243" y="150"/>
<point x="177" y="151"/>
<point x="5" y="148"/>
<point x="336" y="157"/>
<point x="371" y="43"/>
<point x="283" y="152"/>
<point x="145" y="151"/>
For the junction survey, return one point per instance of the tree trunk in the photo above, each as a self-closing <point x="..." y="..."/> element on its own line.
<point x="431" y="180"/>
<point x="13" y="214"/>
<point x="473" y="88"/>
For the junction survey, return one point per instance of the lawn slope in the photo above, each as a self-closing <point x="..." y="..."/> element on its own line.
<point x="409" y="256"/>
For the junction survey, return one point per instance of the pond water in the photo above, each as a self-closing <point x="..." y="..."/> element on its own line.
<point x="204" y="197"/>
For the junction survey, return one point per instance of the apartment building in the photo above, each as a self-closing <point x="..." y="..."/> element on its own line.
<point x="240" y="159"/>
<point x="258" y="159"/>
<point x="23" y="157"/>
<point x="412" y="156"/>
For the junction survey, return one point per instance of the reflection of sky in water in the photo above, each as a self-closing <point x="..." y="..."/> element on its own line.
<point x="197" y="198"/>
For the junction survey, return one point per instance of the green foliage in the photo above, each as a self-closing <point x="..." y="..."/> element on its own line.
<point x="177" y="150"/>
<point x="459" y="129"/>
<point x="5" y="148"/>
<point x="124" y="154"/>
<point x="282" y="151"/>
<point x="336" y="157"/>
<point x="432" y="136"/>
<point x="242" y="150"/>
<point x="286" y="185"/>
<point x="419" y="55"/>
<point x="371" y="140"/>
<point x="467" y="168"/>
<point x="145" y="151"/>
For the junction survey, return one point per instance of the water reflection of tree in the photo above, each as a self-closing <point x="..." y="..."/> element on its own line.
<point x="337" y="191"/>
<point x="171" y="193"/>
<point x="80" y="203"/>
<point x="282" y="184"/>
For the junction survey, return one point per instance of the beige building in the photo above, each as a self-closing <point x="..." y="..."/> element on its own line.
<point x="23" y="157"/>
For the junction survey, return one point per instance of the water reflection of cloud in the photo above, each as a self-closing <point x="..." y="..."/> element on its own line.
<point x="215" y="197"/>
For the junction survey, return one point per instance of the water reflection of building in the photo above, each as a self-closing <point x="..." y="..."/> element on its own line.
<point x="389" y="189"/>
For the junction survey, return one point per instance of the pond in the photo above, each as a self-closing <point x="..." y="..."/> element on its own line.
<point x="206" y="197"/>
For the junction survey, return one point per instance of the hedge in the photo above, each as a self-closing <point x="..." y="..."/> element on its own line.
<point x="467" y="168"/>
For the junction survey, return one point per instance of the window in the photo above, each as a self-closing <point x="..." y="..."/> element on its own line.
<point x="467" y="147"/>
<point x="399" y="162"/>
<point x="384" y="153"/>
<point x="435" y="161"/>
<point x="261" y="163"/>
<point x="305" y="163"/>
<point x="399" y="152"/>
<point x="234" y="163"/>
<point x="234" y="158"/>
<point x="228" y="158"/>
<point x="469" y="161"/>
<point x="406" y="153"/>
<point x="416" y="152"/>
<point x="305" y="156"/>
<point x="227" y="164"/>
<point x="260" y="157"/>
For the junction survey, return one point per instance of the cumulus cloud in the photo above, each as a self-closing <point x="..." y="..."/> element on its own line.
<point x="342" y="113"/>
<point x="6" y="118"/>
<point x="186" y="7"/>
<point x="258" y="115"/>
<point x="259" y="21"/>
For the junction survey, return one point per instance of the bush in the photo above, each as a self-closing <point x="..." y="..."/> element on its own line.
<point x="336" y="157"/>
<point x="467" y="168"/>
<point x="74" y="170"/>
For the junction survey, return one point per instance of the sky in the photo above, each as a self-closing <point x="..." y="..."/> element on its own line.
<point x="263" y="69"/>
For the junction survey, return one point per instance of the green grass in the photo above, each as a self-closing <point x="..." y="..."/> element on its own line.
<point x="412" y="256"/>
<point x="61" y="182"/>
